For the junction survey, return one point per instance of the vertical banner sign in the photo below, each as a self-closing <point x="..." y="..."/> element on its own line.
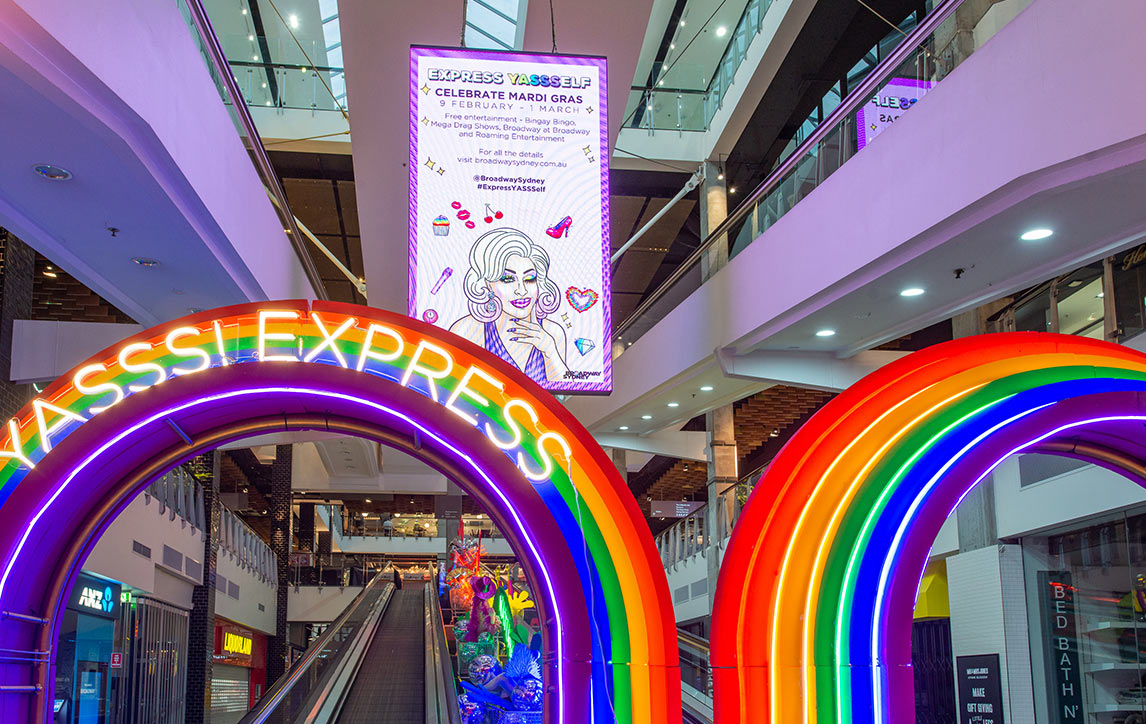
<point x="980" y="689"/>
<point x="509" y="209"/>
<point x="1064" y="682"/>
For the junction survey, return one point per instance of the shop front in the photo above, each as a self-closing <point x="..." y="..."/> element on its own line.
<point x="238" y="672"/>
<point x="87" y="665"/>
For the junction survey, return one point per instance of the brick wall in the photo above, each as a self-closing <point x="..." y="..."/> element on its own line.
<point x="17" y="267"/>
<point x="278" y="646"/>
<point x="201" y="622"/>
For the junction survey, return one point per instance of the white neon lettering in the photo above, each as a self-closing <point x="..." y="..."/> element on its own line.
<point x="143" y="367"/>
<point x="264" y="336"/>
<point x="429" y="373"/>
<point x="475" y="397"/>
<point x="219" y="343"/>
<point x="546" y="459"/>
<point x="369" y="353"/>
<point x="178" y="333"/>
<point x="328" y="339"/>
<point x="47" y="431"/>
<point x="17" y="451"/>
<point x="515" y="429"/>
<point x="100" y="389"/>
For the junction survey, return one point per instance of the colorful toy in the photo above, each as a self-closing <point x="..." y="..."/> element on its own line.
<point x="481" y="614"/>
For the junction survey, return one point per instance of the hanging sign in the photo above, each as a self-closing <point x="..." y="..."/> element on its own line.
<point x="509" y="208"/>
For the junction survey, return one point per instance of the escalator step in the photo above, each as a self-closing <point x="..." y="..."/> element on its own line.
<point x="390" y="687"/>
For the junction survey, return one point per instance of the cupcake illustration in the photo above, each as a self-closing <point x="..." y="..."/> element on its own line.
<point x="441" y="226"/>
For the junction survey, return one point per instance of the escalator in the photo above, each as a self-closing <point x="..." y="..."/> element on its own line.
<point x="384" y="660"/>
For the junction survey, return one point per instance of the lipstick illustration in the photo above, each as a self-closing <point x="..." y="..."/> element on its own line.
<point x="441" y="280"/>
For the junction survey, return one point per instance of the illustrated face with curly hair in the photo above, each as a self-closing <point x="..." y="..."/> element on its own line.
<point x="509" y="274"/>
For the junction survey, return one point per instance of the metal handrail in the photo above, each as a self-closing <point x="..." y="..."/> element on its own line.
<point x="282" y="687"/>
<point x="222" y="68"/>
<point x="851" y="103"/>
<point x="692" y="640"/>
<point x="441" y="694"/>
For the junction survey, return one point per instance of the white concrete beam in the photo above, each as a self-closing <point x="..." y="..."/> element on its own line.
<point x="671" y="443"/>
<point x="43" y="350"/>
<point x="814" y="370"/>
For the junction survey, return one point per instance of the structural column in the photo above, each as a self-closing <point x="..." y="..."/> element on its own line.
<point x="721" y="450"/>
<point x="278" y="646"/>
<point x="201" y="620"/>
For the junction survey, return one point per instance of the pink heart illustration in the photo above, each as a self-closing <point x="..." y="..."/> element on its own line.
<point x="580" y="299"/>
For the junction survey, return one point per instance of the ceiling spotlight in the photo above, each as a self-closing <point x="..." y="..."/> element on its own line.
<point x="55" y="173"/>
<point x="50" y="274"/>
<point x="686" y="467"/>
<point x="251" y="37"/>
<point x="1100" y="295"/>
<point x="911" y="292"/>
<point x="194" y="310"/>
<point x="1036" y="234"/>
<point x="825" y="333"/>
<point x="145" y="261"/>
<point x="674" y="404"/>
<point x="293" y="21"/>
<point x="622" y="428"/>
<point x="368" y="500"/>
<point x="682" y="23"/>
<point x="243" y="11"/>
<point x="721" y="31"/>
<point x="646" y="417"/>
<point x="731" y="189"/>
<point x="706" y="388"/>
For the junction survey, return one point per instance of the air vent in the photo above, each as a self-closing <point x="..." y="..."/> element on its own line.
<point x="141" y="549"/>
<point x="220" y="583"/>
<point x="262" y="607"/>
<point x="699" y="588"/>
<point x="172" y="558"/>
<point x="233" y="590"/>
<point x="680" y="595"/>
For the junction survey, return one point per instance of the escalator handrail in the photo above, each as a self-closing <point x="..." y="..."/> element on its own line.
<point x="439" y="669"/>
<point x="692" y="640"/>
<point x="286" y="682"/>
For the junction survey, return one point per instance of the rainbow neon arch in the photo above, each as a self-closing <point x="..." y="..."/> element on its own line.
<point x="813" y="609"/>
<point x="174" y="391"/>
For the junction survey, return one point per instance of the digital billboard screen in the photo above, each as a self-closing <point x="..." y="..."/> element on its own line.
<point x="509" y="208"/>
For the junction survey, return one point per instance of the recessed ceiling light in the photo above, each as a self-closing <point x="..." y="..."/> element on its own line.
<point x="368" y="500"/>
<point x="244" y="11"/>
<point x="646" y="417"/>
<point x="144" y="261"/>
<point x="682" y="23"/>
<point x="1074" y="283"/>
<point x="825" y="333"/>
<point x="1036" y="234"/>
<point x="721" y="31"/>
<point x="50" y="274"/>
<point x="706" y="388"/>
<point x="55" y="173"/>
<point x="293" y="21"/>
<point x="1100" y="295"/>
<point x="674" y="404"/>
<point x="251" y="37"/>
<point x="194" y="310"/>
<point x="911" y="292"/>
<point x="622" y="428"/>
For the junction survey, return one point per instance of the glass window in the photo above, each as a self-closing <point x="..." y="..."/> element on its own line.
<point x="1080" y="302"/>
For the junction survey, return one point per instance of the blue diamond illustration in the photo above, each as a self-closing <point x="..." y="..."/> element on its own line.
<point x="584" y="346"/>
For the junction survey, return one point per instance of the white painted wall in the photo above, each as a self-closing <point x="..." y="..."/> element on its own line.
<point x="688" y="586"/>
<point x="314" y="604"/>
<point x="141" y="521"/>
<point x="253" y="592"/>
<point x="1056" y="501"/>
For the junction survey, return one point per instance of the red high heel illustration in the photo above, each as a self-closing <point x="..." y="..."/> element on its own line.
<point x="561" y="229"/>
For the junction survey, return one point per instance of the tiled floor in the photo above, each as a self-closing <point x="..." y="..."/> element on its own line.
<point x="391" y="688"/>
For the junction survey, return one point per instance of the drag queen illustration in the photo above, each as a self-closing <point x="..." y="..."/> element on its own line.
<point x="510" y="296"/>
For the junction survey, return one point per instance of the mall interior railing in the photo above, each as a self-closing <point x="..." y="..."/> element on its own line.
<point x="179" y="495"/>
<point x="227" y="86"/>
<point x="695" y="670"/>
<point x="692" y="109"/>
<point x="246" y="548"/>
<point x="919" y="59"/>
<point x="686" y="539"/>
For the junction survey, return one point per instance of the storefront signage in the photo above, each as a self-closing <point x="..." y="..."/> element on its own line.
<point x="509" y="208"/>
<point x="116" y="660"/>
<point x="234" y="643"/>
<point x="888" y="104"/>
<point x="92" y="596"/>
<point x="281" y="336"/>
<point x="1064" y="684"/>
<point x="674" y="508"/>
<point x="980" y="689"/>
